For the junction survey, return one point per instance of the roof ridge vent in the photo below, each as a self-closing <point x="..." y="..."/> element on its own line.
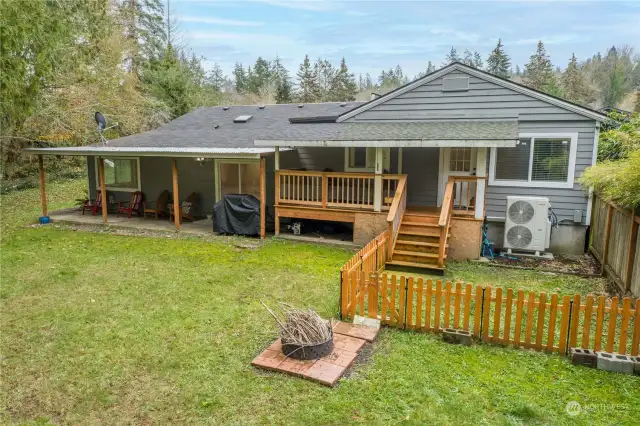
<point x="242" y="118"/>
<point x="261" y="106"/>
<point x="225" y="108"/>
<point x="300" y="105"/>
<point x="343" y="104"/>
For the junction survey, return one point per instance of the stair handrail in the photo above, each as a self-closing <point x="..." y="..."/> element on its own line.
<point x="396" y="213"/>
<point x="445" y="219"/>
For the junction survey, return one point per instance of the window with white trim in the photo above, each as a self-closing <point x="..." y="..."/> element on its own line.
<point x="364" y="159"/>
<point x="120" y="174"/>
<point x="537" y="160"/>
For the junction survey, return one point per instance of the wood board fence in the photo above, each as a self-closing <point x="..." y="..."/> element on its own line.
<point x="614" y="242"/>
<point x="538" y="321"/>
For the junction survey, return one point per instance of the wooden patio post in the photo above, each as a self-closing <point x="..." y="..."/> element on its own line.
<point x="43" y="190"/>
<point x="377" y="181"/>
<point x="400" y="160"/>
<point x="481" y="172"/>
<point x="103" y="189"/>
<point x="176" y="198"/>
<point x="263" y="201"/>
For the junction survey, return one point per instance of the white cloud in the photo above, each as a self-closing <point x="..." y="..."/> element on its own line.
<point x="220" y="21"/>
<point x="315" y="6"/>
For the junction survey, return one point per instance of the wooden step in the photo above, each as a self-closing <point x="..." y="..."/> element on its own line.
<point x="420" y="218"/>
<point x="421" y="233"/>
<point x="416" y="254"/>
<point x="421" y="224"/>
<point x="415" y="265"/>
<point x="418" y="243"/>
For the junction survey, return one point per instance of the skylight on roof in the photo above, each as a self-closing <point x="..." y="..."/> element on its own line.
<point x="242" y="118"/>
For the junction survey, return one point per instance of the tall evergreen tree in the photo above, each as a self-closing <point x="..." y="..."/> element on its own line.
<point x="307" y="88"/>
<point x="575" y="86"/>
<point x="144" y="26"/>
<point x="540" y="75"/>
<point x="498" y="62"/>
<point x="216" y="77"/>
<point x="325" y="74"/>
<point x="616" y="74"/>
<point x="240" y="78"/>
<point x="260" y="76"/>
<point x="430" y="67"/>
<point x="343" y="87"/>
<point x="282" y="81"/>
<point x="477" y="60"/>
<point x="451" y="57"/>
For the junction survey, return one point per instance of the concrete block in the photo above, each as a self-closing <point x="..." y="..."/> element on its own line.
<point x="367" y="322"/>
<point x="584" y="357"/>
<point x="615" y="362"/>
<point x="636" y="365"/>
<point x="458" y="337"/>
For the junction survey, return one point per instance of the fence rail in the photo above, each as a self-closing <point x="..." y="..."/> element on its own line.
<point x="614" y="242"/>
<point x="370" y="258"/>
<point x="539" y="321"/>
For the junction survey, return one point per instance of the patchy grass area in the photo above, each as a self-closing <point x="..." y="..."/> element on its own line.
<point x="478" y="273"/>
<point x="128" y="329"/>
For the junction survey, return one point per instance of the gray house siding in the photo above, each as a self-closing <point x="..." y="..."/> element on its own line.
<point x="155" y="177"/>
<point x="563" y="201"/>
<point x="483" y="100"/>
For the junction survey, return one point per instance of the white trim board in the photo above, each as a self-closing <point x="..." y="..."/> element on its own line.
<point x="594" y="159"/>
<point x="482" y="75"/>
<point x="415" y="143"/>
<point x="538" y="184"/>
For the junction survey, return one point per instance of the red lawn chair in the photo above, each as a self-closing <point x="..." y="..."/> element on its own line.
<point x="131" y="206"/>
<point x="93" y="206"/>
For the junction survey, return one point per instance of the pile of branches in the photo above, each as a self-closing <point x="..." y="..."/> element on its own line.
<point x="300" y="327"/>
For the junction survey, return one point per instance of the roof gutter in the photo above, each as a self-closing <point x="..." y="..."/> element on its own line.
<point x="153" y="152"/>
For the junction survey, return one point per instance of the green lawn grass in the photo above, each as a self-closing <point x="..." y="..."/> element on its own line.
<point x="103" y="328"/>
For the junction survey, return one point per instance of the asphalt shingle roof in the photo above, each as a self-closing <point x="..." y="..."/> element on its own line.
<point x="197" y="128"/>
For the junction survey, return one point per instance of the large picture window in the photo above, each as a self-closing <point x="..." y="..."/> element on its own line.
<point x="120" y="174"/>
<point x="237" y="177"/>
<point x="538" y="160"/>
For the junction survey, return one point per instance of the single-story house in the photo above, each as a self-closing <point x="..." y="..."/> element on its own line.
<point x="428" y="161"/>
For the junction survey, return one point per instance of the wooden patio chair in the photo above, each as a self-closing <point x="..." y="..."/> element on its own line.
<point x="158" y="207"/>
<point x="187" y="208"/>
<point x="134" y="205"/>
<point x="93" y="206"/>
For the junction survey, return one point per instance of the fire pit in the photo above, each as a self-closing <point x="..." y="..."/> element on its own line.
<point x="298" y="351"/>
<point x="304" y="334"/>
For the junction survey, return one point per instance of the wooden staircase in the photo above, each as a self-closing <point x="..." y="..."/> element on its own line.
<point x="418" y="242"/>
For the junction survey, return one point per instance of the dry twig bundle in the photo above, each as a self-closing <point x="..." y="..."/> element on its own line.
<point x="300" y="327"/>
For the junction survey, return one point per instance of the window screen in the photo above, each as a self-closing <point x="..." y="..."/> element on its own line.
<point x="550" y="160"/>
<point x="358" y="157"/>
<point x="513" y="163"/>
<point x="121" y="173"/>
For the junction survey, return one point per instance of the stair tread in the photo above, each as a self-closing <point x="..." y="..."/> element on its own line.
<point x="420" y="233"/>
<point x="418" y="243"/>
<point x="426" y="224"/>
<point x="416" y="253"/>
<point x="414" y="265"/>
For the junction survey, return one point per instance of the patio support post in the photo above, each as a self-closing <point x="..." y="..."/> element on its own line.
<point x="263" y="201"/>
<point x="276" y="158"/>
<point x="176" y="198"/>
<point x="377" y="182"/>
<point x="103" y="189"/>
<point x="43" y="190"/>
<point x="481" y="171"/>
<point x="400" y="160"/>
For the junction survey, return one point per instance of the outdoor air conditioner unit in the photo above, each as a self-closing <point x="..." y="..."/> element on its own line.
<point x="527" y="227"/>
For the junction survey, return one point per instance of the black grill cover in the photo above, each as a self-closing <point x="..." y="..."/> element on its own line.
<point x="237" y="214"/>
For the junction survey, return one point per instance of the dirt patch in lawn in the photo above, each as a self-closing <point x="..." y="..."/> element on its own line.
<point x="562" y="263"/>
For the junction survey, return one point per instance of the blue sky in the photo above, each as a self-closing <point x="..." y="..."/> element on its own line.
<point x="376" y="35"/>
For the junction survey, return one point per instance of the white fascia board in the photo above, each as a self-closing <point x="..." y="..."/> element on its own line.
<point x="417" y="143"/>
<point x="153" y="152"/>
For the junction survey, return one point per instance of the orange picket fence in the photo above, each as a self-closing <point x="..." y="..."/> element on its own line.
<point x="370" y="258"/>
<point x="539" y="321"/>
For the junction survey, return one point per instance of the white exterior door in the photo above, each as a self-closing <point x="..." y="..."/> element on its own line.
<point x="456" y="162"/>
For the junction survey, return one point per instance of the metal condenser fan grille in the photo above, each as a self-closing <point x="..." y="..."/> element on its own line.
<point x="519" y="236"/>
<point x="521" y="212"/>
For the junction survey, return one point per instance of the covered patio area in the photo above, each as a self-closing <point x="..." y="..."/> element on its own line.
<point x="75" y="216"/>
